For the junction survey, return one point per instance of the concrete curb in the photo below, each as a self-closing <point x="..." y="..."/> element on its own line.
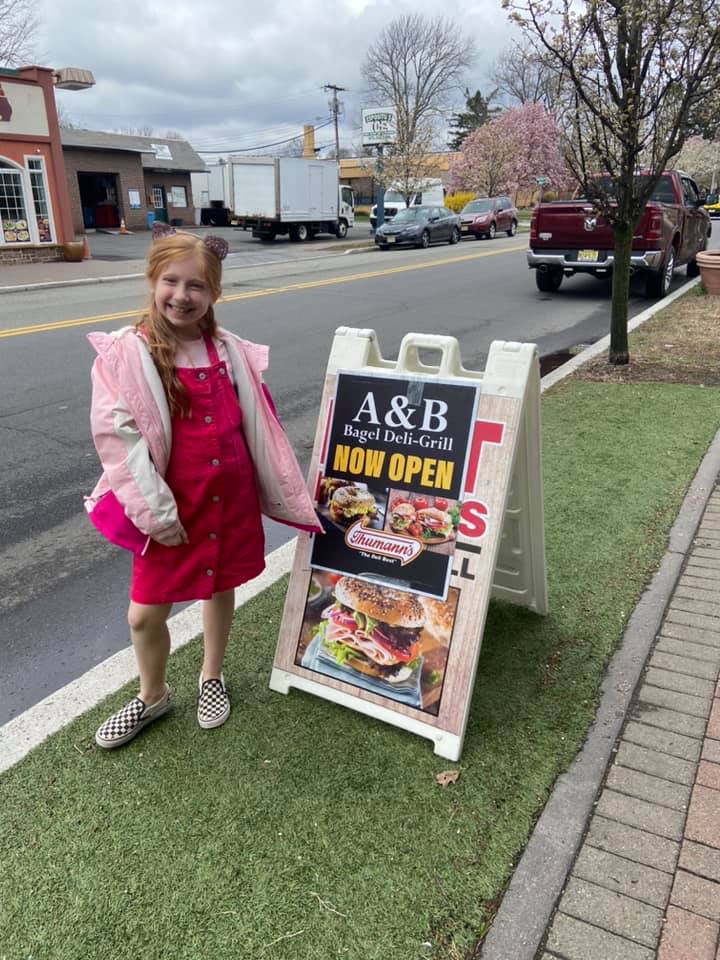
<point x="26" y="731"/>
<point x="541" y="874"/>
<point x="77" y="282"/>
<point x="600" y="345"/>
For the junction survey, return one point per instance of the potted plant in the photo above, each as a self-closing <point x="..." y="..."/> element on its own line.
<point x="73" y="250"/>
<point x="709" y="263"/>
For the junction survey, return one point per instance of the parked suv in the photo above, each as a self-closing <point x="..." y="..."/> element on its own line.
<point x="487" y="216"/>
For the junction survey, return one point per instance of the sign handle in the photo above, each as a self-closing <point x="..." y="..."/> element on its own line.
<point x="409" y="359"/>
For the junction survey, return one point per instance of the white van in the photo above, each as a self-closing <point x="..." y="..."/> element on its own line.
<point x="429" y="191"/>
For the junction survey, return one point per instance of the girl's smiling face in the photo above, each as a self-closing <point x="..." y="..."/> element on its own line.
<point x="183" y="297"/>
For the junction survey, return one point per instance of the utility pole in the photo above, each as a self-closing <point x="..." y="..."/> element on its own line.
<point x="335" y="107"/>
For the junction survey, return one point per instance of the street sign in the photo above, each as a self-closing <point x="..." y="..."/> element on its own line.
<point x="379" y="126"/>
<point x="428" y="482"/>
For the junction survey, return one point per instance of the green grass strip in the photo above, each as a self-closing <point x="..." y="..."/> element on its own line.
<point x="303" y="831"/>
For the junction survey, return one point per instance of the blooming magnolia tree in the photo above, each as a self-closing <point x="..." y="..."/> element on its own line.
<point x="701" y="159"/>
<point x="637" y="77"/>
<point x="508" y="153"/>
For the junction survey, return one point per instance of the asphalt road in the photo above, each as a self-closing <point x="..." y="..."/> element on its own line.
<point x="109" y="245"/>
<point x="62" y="588"/>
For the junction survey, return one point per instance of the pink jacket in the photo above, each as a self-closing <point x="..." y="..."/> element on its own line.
<point x="130" y="421"/>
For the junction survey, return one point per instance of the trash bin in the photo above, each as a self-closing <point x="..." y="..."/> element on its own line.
<point x="150" y="218"/>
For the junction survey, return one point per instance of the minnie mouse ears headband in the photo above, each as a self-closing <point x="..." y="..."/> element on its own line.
<point x="218" y="245"/>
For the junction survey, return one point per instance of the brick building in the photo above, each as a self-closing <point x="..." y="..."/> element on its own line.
<point x="113" y="177"/>
<point x="35" y="217"/>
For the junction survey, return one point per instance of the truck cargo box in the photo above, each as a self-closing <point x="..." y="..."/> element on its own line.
<point x="288" y="189"/>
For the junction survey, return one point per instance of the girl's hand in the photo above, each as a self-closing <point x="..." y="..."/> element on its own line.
<point x="173" y="536"/>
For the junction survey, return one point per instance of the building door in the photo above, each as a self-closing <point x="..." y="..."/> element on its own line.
<point x="159" y="199"/>
<point x="99" y="200"/>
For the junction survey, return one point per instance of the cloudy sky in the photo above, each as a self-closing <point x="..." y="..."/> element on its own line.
<point x="240" y="75"/>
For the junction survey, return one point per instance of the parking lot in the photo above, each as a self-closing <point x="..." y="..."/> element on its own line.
<point x="111" y="245"/>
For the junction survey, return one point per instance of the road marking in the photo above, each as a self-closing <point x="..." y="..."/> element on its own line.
<point x="265" y="292"/>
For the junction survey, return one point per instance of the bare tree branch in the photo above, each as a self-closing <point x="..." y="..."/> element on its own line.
<point x="18" y="27"/>
<point x="521" y="75"/>
<point x="417" y="65"/>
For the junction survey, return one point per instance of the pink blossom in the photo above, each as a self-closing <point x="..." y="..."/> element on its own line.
<point x="508" y="153"/>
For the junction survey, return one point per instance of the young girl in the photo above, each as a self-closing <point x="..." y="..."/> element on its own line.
<point x="192" y="453"/>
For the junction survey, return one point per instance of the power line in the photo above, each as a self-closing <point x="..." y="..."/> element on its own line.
<point x="264" y="146"/>
<point x="276" y="131"/>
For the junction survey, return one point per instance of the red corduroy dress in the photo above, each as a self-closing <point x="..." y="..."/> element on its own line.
<point x="211" y="475"/>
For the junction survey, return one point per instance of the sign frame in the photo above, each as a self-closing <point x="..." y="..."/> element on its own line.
<point x="500" y="548"/>
<point x="379" y="126"/>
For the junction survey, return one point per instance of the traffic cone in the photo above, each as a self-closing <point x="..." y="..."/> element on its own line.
<point x="86" y="249"/>
<point x="123" y="228"/>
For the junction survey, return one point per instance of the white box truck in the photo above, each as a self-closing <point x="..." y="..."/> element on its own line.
<point x="289" y="195"/>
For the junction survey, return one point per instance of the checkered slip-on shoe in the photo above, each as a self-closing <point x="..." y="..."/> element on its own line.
<point x="127" y="723"/>
<point x="213" y="707"/>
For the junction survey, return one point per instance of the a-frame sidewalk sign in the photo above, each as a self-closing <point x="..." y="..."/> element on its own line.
<point x="428" y="483"/>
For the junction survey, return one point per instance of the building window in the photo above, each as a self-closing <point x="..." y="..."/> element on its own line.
<point x="158" y="199"/>
<point x="13" y="213"/>
<point x="40" y="202"/>
<point x="179" y="196"/>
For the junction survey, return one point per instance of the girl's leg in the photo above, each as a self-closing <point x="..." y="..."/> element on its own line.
<point x="151" y="640"/>
<point x="217" y="619"/>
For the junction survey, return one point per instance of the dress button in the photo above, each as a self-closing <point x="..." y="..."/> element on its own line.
<point x="215" y="462"/>
<point x="209" y="572"/>
<point x="222" y="371"/>
<point x="202" y="376"/>
<point x="216" y="499"/>
<point x="208" y="419"/>
<point x="213" y="536"/>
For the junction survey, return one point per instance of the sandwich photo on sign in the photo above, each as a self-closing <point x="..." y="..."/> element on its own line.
<point x="386" y="641"/>
<point x="432" y="520"/>
<point x="345" y="503"/>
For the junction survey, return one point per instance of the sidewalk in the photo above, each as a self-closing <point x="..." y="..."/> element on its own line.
<point x="630" y="869"/>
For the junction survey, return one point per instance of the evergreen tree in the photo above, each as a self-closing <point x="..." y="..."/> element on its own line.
<point x="477" y="113"/>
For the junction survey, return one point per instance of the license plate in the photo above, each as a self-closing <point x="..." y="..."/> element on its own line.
<point x="465" y="229"/>
<point x="390" y="239"/>
<point x="587" y="255"/>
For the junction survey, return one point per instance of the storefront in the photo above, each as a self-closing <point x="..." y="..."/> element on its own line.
<point x="34" y="204"/>
<point x="114" y="178"/>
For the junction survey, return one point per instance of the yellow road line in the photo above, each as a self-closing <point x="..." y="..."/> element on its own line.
<point x="265" y="292"/>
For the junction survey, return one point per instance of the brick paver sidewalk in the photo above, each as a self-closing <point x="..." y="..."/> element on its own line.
<point x="646" y="882"/>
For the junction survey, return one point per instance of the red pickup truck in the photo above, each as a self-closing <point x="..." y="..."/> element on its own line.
<point x="570" y="236"/>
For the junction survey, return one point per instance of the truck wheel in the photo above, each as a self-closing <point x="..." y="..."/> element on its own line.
<point x="657" y="284"/>
<point x="424" y="240"/>
<point x="302" y="232"/>
<point x="513" y="229"/>
<point x="492" y="230"/>
<point x="548" y="282"/>
<point x="341" y="229"/>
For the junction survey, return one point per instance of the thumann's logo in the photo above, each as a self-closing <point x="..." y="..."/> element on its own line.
<point x="590" y="223"/>
<point x="5" y="108"/>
